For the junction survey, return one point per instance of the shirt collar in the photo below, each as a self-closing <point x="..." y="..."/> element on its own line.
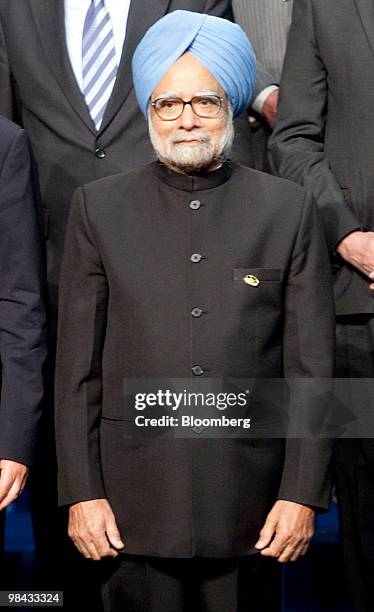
<point x="193" y="182"/>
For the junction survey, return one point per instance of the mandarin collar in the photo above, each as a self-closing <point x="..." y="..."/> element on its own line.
<point x="193" y="182"/>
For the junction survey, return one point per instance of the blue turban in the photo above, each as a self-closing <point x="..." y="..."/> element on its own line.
<point x="220" y="45"/>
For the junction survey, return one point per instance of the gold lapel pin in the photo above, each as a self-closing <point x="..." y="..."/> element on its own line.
<point x="251" y="280"/>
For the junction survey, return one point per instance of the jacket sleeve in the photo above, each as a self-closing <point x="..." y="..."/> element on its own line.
<point x="22" y="315"/>
<point x="308" y="349"/>
<point x="81" y="333"/>
<point x="6" y="90"/>
<point x="297" y="144"/>
<point x="263" y="80"/>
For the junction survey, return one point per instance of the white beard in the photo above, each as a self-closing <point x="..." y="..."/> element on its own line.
<point x="191" y="158"/>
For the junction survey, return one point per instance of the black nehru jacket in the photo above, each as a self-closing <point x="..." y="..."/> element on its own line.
<point x="143" y="249"/>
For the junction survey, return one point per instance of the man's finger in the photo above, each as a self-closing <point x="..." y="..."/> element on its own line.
<point x="274" y="550"/>
<point x="94" y="550"/>
<point x="266" y="534"/>
<point x="6" y="482"/>
<point x="289" y="553"/>
<point x="281" y="540"/>
<point x="11" y="496"/>
<point x="96" y="543"/>
<point x="102" y="545"/>
<point x="114" y="535"/>
<point x="299" y="552"/>
<point x="86" y="544"/>
<point x="85" y="550"/>
<point x="304" y="549"/>
<point x="93" y="529"/>
<point x="294" y="549"/>
<point x="11" y="474"/>
<point x="295" y="552"/>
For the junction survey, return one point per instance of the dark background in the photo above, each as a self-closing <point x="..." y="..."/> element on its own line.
<point x="316" y="583"/>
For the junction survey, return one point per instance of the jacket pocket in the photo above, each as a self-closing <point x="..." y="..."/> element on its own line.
<point x="250" y="276"/>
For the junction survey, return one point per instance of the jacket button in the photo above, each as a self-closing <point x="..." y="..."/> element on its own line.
<point x="100" y="153"/>
<point x="196" y="312"/>
<point x="195" y="204"/>
<point x="196" y="257"/>
<point x="198" y="429"/>
<point x="197" y="370"/>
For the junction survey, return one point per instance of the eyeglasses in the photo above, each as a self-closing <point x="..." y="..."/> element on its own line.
<point x="169" y="109"/>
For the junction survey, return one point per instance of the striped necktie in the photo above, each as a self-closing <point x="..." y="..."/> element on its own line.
<point x="99" y="62"/>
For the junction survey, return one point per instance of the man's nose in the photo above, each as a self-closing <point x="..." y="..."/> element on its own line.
<point x="189" y="119"/>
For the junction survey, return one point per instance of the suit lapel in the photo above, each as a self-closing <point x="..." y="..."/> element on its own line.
<point x="141" y="16"/>
<point x="50" y="23"/>
<point x="366" y="11"/>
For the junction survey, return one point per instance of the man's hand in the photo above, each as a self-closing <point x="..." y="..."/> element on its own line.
<point x="93" y="529"/>
<point x="358" y="249"/>
<point x="13" y="477"/>
<point x="270" y="107"/>
<point x="287" y="531"/>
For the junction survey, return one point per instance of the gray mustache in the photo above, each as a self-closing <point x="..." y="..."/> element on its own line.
<point x="191" y="136"/>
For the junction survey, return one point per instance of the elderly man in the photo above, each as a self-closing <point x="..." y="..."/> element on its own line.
<point x="324" y="141"/>
<point x="192" y="267"/>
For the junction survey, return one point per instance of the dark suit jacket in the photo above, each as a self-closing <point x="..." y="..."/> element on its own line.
<point x="324" y="137"/>
<point x="39" y="90"/>
<point x="127" y="290"/>
<point x="22" y="341"/>
<point x="266" y="22"/>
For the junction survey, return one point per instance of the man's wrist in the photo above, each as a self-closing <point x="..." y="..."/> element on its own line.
<point x="258" y="103"/>
<point x="341" y="247"/>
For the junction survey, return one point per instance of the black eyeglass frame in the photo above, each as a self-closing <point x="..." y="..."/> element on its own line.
<point x="190" y="102"/>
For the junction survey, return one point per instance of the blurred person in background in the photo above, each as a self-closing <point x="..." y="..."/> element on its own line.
<point x="266" y="23"/>
<point x="22" y="315"/>
<point x="324" y="140"/>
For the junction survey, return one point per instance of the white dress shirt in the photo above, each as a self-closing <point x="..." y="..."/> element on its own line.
<point x="75" y="15"/>
<point x="260" y="100"/>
